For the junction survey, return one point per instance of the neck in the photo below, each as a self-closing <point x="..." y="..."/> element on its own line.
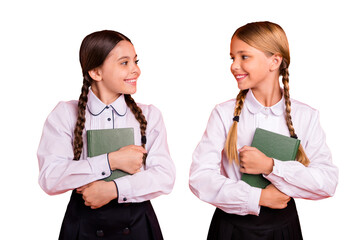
<point x="268" y="95"/>
<point x="105" y="97"/>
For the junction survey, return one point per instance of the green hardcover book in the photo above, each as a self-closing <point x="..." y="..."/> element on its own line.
<point x="109" y="140"/>
<point x="272" y="145"/>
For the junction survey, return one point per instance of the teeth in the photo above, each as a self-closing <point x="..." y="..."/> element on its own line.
<point x="131" y="81"/>
<point x="240" y="76"/>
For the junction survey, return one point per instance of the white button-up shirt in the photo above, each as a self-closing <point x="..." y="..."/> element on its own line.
<point x="60" y="173"/>
<point x="214" y="180"/>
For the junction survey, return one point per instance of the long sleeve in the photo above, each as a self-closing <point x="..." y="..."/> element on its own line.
<point x="319" y="179"/>
<point x="158" y="176"/>
<point x="58" y="171"/>
<point x="207" y="180"/>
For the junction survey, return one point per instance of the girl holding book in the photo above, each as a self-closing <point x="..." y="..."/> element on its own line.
<point x="118" y="209"/>
<point x="260" y="55"/>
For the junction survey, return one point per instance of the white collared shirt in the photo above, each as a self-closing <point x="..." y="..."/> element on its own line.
<point x="60" y="173"/>
<point x="214" y="180"/>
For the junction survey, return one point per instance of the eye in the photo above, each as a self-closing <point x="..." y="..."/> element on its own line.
<point x="232" y="59"/>
<point x="137" y="62"/>
<point x="244" y="57"/>
<point x="125" y="63"/>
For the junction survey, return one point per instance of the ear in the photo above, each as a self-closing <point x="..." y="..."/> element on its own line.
<point x="276" y="60"/>
<point x="95" y="74"/>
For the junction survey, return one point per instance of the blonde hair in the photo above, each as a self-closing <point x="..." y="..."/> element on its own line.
<point x="271" y="39"/>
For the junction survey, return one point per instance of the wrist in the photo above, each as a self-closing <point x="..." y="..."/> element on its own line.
<point x="112" y="189"/>
<point x="270" y="166"/>
<point x="263" y="197"/>
<point x="112" y="162"/>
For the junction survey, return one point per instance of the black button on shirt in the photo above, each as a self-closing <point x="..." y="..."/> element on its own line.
<point x="126" y="231"/>
<point x="109" y="119"/>
<point x="100" y="233"/>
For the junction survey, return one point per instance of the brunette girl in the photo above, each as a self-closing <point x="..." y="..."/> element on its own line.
<point x="260" y="55"/>
<point x="118" y="209"/>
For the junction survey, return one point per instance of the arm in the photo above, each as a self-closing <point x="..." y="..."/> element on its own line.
<point x="58" y="171"/>
<point x="207" y="182"/>
<point x="158" y="175"/>
<point x="319" y="179"/>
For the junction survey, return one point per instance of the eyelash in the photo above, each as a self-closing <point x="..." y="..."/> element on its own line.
<point x="243" y="57"/>
<point x="126" y="62"/>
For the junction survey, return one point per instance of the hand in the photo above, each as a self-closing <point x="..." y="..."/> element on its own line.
<point x="98" y="193"/>
<point x="128" y="159"/>
<point x="253" y="161"/>
<point x="271" y="197"/>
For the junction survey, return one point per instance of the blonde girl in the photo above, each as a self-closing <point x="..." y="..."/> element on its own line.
<point x="260" y="54"/>
<point x="119" y="209"/>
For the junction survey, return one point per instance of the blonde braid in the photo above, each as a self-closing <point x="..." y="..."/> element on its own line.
<point x="231" y="140"/>
<point x="301" y="156"/>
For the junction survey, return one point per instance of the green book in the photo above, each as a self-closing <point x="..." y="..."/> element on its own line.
<point x="109" y="140"/>
<point x="272" y="145"/>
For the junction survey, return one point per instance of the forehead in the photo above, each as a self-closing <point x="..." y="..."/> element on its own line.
<point x="122" y="49"/>
<point x="238" y="46"/>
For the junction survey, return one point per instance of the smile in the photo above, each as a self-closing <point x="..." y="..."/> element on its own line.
<point x="131" y="81"/>
<point x="240" y="76"/>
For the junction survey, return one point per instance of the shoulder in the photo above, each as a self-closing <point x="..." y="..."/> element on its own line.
<point x="300" y="108"/>
<point x="65" y="112"/>
<point x="149" y="110"/>
<point x="66" y="107"/>
<point x="226" y="107"/>
<point x="305" y="118"/>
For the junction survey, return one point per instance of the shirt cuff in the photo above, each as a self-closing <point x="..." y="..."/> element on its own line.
<point x="277" y="171"/>
<point x="100" y="166"/>
<point x="124" y="189"/>
<point x="254" y="199"/>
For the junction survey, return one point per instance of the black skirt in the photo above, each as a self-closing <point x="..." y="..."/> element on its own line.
<point x="135" y="221"/>
<point x="271" y="224"/>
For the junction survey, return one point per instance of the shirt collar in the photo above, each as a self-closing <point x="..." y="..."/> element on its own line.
<point x="96" y="106"/>
<point x="254" y="106"/>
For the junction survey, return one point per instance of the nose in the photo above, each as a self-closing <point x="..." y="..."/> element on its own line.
<point x="235" y="65"/>
<point x="136" y="69"/>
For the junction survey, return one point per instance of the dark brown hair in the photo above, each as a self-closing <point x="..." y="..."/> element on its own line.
<point x="271" y="39"/>
<point x="93" y="51"/>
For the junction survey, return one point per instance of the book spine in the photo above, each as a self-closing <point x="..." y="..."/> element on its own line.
<point x="296" y="149"/>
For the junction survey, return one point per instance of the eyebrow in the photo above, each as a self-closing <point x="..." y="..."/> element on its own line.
<point x="126" y="57"/>
<point x="241" y="51"/>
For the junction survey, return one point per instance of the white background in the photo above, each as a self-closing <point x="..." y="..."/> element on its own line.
<point x="183" y="47"/>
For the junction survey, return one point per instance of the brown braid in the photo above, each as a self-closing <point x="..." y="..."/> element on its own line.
<point x="80" y="123"/>
<point x="231" y="140"/>
<point x="301" y="156"/>
<point x="136" y="110"/>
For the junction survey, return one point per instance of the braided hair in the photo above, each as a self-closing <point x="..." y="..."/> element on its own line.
<point x="271" y="39"/>
<point x="93" y="51"/>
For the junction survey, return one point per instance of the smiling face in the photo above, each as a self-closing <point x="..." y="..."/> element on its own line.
<point x="117" y="75"/>
<point x="251" y="67"/>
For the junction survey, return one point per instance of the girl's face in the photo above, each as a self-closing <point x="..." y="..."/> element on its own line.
<point x="251" y="67"/>
<point x="118" y="74"/>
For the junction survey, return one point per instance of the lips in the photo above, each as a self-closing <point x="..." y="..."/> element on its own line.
<point x="239" y="77"/>
<point x="131" y="81"/>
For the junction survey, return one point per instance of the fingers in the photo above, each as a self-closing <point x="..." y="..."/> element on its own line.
<point x="138" y="148"/>
<point x="82" y="188"/>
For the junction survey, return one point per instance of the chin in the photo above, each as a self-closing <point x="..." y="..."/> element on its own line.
<point x="130" y="91"/>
